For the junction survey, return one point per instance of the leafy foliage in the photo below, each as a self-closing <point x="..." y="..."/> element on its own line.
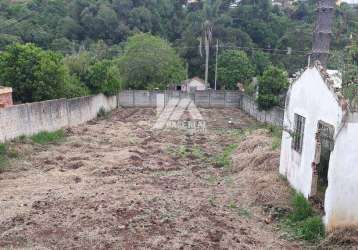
<point x="234" y="67"/>
<point x="101" y="28"/>
<point x="33" y="73"/>
<point x="302" y="221"/>
<point x="149" y="62"/>
<point x="301" y="208"/>
<point x="272" y="83"/>
<point x="66" y="26"/>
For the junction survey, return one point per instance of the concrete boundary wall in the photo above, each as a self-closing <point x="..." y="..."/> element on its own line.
<point x="274" y="116"/>
<point x="32" y="118"/>
<point x="205" y="99"/>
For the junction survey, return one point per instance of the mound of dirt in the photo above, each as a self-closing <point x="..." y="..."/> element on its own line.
<point x="258" y="163"/>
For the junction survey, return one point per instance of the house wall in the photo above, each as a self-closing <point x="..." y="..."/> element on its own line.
<point x="194" y="84"/>
<point x="341" y="204"/>
<point x="32" y="118"/>
<point x="310" y="97"/>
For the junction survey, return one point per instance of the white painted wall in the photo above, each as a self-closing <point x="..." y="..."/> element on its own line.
<point x="310" y="97"/>
<point x="341" y="205"/>
<point x="32" y="118"/>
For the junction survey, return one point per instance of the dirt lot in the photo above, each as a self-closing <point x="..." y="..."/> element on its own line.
<point x="117" y="184"/>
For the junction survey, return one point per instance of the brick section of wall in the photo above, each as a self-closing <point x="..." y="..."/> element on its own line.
<point x="6" y="100"/>
<point x="32" y="118"/>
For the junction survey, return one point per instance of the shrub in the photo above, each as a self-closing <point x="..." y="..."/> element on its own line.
<point x="302" y="209"/>
<point x="223" y="160"/>
<point x="302" y="222"/>
<point x="272" y="83"/>
<point x="48" y="137"/>
<point x="33" y="73"/>
<point x="311" y="228"/>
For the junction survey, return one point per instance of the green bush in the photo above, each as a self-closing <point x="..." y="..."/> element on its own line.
<point x="48" y="137"/>
<point x="302" y="209"/>
<point x="302" y="222"/>
<point x="267" y="101"/>
<point x="33" y="73"/>
<point x="223" y="160"/>
<point x="311" y="228"/>
<point x="234" y="66"/>
<point x="272" y="83"/>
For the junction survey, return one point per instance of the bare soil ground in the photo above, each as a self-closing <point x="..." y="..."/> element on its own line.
<point x="117" y="184"/>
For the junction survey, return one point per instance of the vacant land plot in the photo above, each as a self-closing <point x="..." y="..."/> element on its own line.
<point x="117" y="184"/>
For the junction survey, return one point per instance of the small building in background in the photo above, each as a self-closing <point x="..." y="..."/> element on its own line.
<point x="191" y="85"/>
<point x="5" y="97"/>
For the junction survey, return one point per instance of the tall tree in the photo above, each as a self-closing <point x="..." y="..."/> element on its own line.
<point x="234" y="67"/>
<point x="211" y="13"/>
<point x="150" y="62"/>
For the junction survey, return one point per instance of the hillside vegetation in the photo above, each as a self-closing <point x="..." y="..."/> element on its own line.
<point x="91" y="36"/>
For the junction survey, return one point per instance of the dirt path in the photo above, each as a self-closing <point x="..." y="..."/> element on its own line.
<point x="116" y="184"/>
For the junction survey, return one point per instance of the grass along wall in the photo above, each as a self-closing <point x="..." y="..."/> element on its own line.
<point x="29" y="119"/>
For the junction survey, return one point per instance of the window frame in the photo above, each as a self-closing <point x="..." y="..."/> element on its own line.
<point x="299" y="133"/>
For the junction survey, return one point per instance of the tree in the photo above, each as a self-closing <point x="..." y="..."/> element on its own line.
<point x="261" y="60"/>
<point x="104" y="77"/>
<point x="34" y="74"/>
<point x="211" y="12"/>
<point x="149" y="62"/>
<point x="234" y="66"/>
<point x="272" y="84"/>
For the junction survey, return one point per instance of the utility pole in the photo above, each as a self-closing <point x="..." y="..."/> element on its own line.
<point x="207" y="55"/>
<point x="216" y="64"/>
<point x="323" y="31"/>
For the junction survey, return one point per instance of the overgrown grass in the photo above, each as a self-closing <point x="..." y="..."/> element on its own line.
<point x="302" y="209"/>
<point x="48" y="137"/>
<point x="6" y="153"/>
<point x="224" y="160"/>
<point x="302" y="222"/>
<point x="276" y="134"/>
<point x="182" y="151"/>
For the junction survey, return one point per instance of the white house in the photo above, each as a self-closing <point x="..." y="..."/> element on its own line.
<point x="193" y="84"/>
<point x="319" y="154"/>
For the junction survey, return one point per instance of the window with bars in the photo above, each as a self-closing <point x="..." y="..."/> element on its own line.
<point x="299" y="129"/>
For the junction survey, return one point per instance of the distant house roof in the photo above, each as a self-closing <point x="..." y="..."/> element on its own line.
<point x="195" y="78"/>
<point x="5" y="90"/>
